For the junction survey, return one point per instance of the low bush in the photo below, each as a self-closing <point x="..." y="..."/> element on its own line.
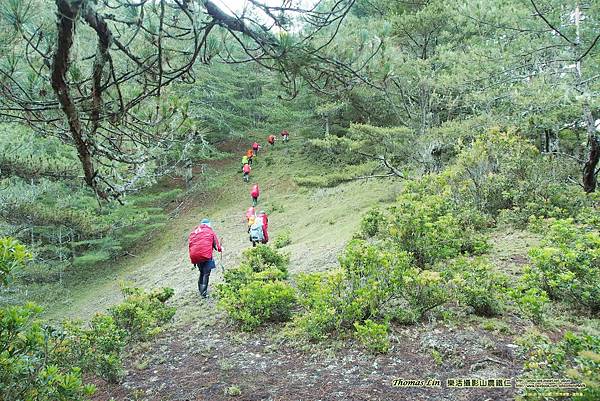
<point x="29" y="360"/>
<point x="282" y="240"/>
<point x="372" y="284"/>
<point x="371" y="223"/>
<point x="373" y="336"/>
<point x="260" y="302"/>
<point x="423" y="290"/>
<point x="255" y="292"/>
<point x="13" y="255"/>
<point x="430" y="229"/>
<point x="263" y="257"/>
<point x="479" y="285"/>
<point x="531" y="301"/>
<point x="96" y="348"/>
<point x="575" y="357"/>
<point x="323" y="304"/>
<point x="567" y="265"/>
<point x="143" y="313"/>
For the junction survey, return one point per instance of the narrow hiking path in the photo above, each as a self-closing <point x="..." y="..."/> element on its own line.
<point x="320" y="221"/>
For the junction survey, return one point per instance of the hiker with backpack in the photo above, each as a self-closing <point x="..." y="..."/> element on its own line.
<point x="244" y="161"/>
<point x="259" y="233"/>
<point x="285" y="135"/>
<point x="249" y="155"/>
<point x="246" y="171"/>
<point x="254" y="193"/>
<point x="271" y="140"/>
<point x="250" y="217"/>
<point x="202" y="241"/>
<point x="255" y="148"/>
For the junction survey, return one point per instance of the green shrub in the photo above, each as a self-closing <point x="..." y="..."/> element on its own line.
<point x="531" y="301"/>
<point x="29" y="352"/>
<point x="373" y="336"/>
<point x="429" y="229"/>
<point x="423" y="290"/>
<point x="254" y="292"/>
<point x="323" y="305"/>
<point x="567" y="266"/>
<point x="282" y="240"/>
<point x="143" y="313"/>
<point x="12" y="256"/>
<point x="479" y="285"/>
<point x="259" y="302"/>
<point x="575" y="357"/>
<point x="262" y="257"/>
<point x="372" y="283"/>
<point x="371" y="223"/>
<point x="97" y="348"/>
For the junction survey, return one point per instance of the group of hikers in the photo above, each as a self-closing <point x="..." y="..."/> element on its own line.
<point x="203" y="240"/>
<point x="253" y="151"/>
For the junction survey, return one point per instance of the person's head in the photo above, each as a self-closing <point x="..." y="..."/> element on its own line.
<point x="206" y="222"/>
<point x="261" y="213"/>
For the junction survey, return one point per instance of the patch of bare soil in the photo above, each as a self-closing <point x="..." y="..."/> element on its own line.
<point x="218" y="362"/>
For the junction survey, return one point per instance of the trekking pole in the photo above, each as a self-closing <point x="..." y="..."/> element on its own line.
<point x="222" y="267"/>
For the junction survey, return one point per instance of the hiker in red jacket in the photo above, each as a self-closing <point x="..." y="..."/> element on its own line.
<point x="271" y="139"/>
<point x="255" y="193"/>
<point x="262" y="215"/>
<point x="246" y="170"/>
<point x="255" y="148"/>
<point x="201" y="242"/>
<point x="285" y="135"/>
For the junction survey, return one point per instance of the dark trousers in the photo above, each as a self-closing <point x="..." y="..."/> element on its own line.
<point x="205" y="268"/>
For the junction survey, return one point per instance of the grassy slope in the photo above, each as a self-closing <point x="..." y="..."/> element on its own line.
<point x="320" y="220"/>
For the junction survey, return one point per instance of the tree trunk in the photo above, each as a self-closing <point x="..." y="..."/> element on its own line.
<point x="67" y="15"/>
<point x="551" y="144"/>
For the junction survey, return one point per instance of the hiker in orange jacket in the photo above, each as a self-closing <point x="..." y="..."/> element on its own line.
<point x="246" y="170"/>
<point x="250" y="217"/>
<point x="271" y="139"/>
<point x="249" y="155"/>
<point x="285" y="135"/>
<point x="255" y="193"/>
<point x="202" y="241"/>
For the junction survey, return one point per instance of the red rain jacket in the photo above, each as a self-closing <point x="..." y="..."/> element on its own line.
<point x="250" y="212"/>
<point x="284" y="133"/>
<point x="255" y="191"/>
<point x="265" y="226"/>
<point x="246" y="168"/>
<point x="255" y="146"/>
<point x="201" y="242"/>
